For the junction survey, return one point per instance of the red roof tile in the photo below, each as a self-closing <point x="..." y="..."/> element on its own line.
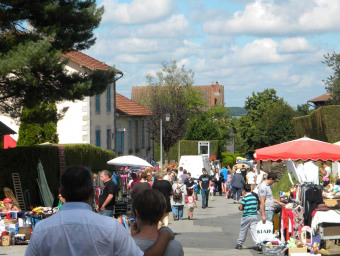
<point x="87" y="61"/>
<point x="129" y="107"/>
<point x="324" y="97"/>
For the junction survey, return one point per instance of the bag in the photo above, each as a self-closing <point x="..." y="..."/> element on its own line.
<point x="177" y="193"/>
<point x="186" y="199"/>
<point x="264" y="231"/>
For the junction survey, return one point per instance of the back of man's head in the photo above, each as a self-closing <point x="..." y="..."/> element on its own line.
<point x="247" y="188"/>
<point x="76" y="184"/>
<point x="272" y="175"/>
<point x="150" y="205"/>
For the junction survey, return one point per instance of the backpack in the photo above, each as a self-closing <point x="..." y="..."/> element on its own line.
<point x="177" y="193"/>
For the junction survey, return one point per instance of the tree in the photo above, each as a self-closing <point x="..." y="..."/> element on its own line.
<point x="171" y="91"/>
<point x="302" y="110"/>
<point x="38" y="125"/>
<point x="31" y="69"/>
<point x="213" y="124"/>
<point x="268" y="121"/>
<point x="333" y="81"/>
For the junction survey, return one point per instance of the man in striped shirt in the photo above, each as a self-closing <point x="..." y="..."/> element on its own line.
<point x="249" y="218"/>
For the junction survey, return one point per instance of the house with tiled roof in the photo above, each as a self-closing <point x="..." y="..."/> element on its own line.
<point x="212" y="94"/>
<point x="321" y="100"/>
<point x="91" y="120"/>
<point x="132" y="135"/>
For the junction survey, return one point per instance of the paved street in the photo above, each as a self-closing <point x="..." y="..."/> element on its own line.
<point x="213" y="231"/>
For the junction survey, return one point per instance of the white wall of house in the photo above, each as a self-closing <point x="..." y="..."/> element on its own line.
<point x="75" y="126"/>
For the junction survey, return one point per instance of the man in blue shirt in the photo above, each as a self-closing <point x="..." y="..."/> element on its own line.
<point x="77" y="230"/>
<point x="224" y="171"/>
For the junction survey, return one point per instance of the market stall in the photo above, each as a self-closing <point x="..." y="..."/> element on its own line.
<point x="313" y="207"/>
<point x="123" y="203"/>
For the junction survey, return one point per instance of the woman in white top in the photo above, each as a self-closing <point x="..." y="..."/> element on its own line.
<point x="178" y="203"/>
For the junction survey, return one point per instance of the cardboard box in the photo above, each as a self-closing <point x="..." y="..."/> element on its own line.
<point x="297" y="250"/>
<point x="6" y="240"/>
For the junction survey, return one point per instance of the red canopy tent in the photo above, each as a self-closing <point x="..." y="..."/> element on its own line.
<point x="304" y="149"/>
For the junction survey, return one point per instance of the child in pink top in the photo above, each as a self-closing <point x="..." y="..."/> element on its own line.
<point x="191" y="202"/>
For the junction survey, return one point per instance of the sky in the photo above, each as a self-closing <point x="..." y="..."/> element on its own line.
<point x="245" y="45"/>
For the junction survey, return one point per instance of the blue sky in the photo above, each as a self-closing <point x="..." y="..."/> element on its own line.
<point x="245" y="45"/>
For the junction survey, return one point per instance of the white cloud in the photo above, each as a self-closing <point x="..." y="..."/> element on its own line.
<point x="137" y="12"/>
<point x="260" y="51"/>
<point x="175" y="26"/>
<point x="294" y="45"/>
<point x="290" y="17"/>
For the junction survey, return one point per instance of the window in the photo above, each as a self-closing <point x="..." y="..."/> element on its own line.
<point x="142" y="134"/>
<point x="98" y="138"/>
<point x="136" y="135"/>
<point x="130" y="135"/>
<point x="97" y="97"/>
<point x="108" y="98"/>
<point x="120" y="141"/>
<point x="108" y="139"/>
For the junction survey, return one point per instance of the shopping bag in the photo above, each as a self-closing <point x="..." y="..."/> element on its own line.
<point x="264" y="231"/>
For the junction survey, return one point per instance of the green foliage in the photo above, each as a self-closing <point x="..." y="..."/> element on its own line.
<point x="229" y="158"/>
<point x="184" y="148"/>
<point x="38" y="125"/>
<point x="267" y="122"/>
<point x="213" y="124"/>
<point x="282" y="185"/>
<point x="171" y="92"/>
<point x="302" y="110"/>
<point x="322" y="124"/>
<point x="237" y="111"/>
<point x="88" y="155"/>
<point x="333" y="81"/>
<point x="31" y="70"/>
<point x="24" y="160"/>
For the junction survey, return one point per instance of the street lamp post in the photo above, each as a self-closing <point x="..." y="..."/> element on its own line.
<point x="167" y="119"/>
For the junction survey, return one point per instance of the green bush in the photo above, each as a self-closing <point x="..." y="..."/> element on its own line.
<point x="229" y="158"/>
<point x="322" y="124"/>
<point x="88" y="155"/>
<point x="186" y="147"/>
<point x="38" y="125"/>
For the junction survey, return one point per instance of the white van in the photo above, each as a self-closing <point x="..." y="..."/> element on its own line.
<point x="194" y="165"/>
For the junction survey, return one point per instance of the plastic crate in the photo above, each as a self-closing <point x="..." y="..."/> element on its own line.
<point x="274" y="250"/>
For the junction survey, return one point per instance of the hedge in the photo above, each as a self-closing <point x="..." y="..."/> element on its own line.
<point x="187" y="147"/>
<point x="229" y="158"/>
<point x="322" y="124"/>
<point x="24" y="160"/>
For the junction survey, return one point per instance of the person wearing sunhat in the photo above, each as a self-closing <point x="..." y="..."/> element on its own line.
<point x="8" y="206"/>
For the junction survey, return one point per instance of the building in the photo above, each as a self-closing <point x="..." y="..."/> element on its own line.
<point x="212" y="94"/>
<point x="90" y="120"/>
<point x="132" y="135"/>
<point x="321" y="100"/>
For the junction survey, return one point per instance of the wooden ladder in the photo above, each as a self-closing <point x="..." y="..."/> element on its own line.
<point x="62" y="160"/>
<point x="18" y="191"/>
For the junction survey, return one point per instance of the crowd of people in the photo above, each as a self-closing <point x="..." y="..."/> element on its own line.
<point x="154" y="195"/>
